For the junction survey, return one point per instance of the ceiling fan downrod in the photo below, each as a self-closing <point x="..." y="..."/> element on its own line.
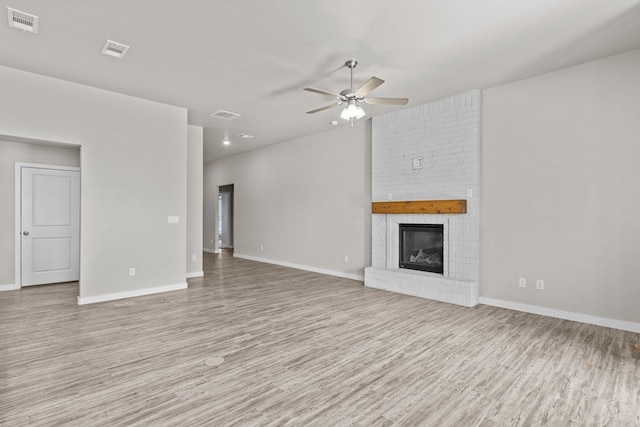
<point x="351" y="64"/>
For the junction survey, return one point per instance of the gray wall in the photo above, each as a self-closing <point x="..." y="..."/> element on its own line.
<point x="560" y="189"/>
<point x="10" y="153"/>
<point x="134" y="175"/>
<point x="307" y="200"/>
<point x="194" y="200"/>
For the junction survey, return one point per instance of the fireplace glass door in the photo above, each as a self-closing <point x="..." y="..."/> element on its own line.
<point x="421" y="247"/>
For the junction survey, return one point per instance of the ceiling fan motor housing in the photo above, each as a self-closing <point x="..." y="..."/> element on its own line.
<point x="347" y="94"/>
<point x="351" y="63"/>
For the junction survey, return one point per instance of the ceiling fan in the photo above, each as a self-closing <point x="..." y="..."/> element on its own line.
<point x="352" y="98"/>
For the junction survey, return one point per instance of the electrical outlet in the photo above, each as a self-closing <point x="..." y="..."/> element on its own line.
<point x="522" y="282"/>
<point x="540" y="285"/>
<point x="346" y="258"/>
<point x="132" y="271"/>
<point x="262" y="247"/>
<point x="417" y="163"/>
<point x="194" y="258"/>
<point x="469" y="192"/>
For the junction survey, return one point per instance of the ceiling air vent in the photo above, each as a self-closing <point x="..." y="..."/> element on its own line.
<point x="115" y="49"/>
<point x="22" y="20"/>
<point x="225" y="115"/>
<point x="245" y="136"/>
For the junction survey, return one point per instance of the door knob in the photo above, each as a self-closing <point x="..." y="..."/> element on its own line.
<point x="26" y="233"/>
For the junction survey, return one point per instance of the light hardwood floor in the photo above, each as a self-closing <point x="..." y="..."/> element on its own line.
<point x="302" y="349"/>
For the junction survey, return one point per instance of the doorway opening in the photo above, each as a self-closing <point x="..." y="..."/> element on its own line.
<point x="46" y="204"/>
<point x="225" y="216"/>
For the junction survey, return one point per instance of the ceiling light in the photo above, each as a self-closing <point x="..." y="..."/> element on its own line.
<point x="352" y="111"/>
<point x="226" y="142"/>
<point x="115" y="49"/>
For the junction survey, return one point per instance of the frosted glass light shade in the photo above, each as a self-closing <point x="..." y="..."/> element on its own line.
<point x="352" y="110"/>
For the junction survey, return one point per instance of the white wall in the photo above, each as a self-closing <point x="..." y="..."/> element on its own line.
<point x="307" y="201"/>
<point x="560" y="189"/>
<point x="134" y="160"/>
<point x="10" y="153"/>
<point x="194" y="201"/>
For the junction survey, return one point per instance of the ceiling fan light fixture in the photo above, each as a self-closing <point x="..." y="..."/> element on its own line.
<point x="353" y="110"/>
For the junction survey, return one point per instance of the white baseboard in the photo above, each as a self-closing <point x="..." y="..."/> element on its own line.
<point x="358" y="277"/>
<point x="195" y="274"/>
<point x="561" y="314"/>
<point x="130" y="294"/>
<point x="11" y="287"/>
<point x="211" y="251"/>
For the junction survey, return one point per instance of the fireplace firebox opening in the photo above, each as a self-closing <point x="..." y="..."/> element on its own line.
<point x="422" y="247"/>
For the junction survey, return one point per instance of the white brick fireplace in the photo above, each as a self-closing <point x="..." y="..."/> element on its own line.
<point x="428" y="152"/>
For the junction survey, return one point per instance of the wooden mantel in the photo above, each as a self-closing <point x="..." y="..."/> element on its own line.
<point x="420" y="207"/>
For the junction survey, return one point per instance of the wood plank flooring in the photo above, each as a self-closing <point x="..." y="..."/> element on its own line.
<point x="303" y="349"/>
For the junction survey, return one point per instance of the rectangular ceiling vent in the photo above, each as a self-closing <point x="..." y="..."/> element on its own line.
<point x="22" y="20"/>
<point x="225" y="115"/>
<point x="115" y="49"/>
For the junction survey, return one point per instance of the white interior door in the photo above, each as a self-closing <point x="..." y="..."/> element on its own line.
<point x="50" y="226"/>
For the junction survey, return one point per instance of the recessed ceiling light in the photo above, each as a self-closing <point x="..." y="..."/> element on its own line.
<point x="22" y="20"/>
<point x="226" y="142"/>
<point x="115" y="49"/>
<point x="333" y="123"/>
<point x="245" y="136"/>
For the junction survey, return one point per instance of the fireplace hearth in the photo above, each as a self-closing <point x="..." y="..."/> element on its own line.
<point x="421" y="247"/>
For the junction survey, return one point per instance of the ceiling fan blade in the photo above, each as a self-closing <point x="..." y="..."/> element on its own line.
<point x="387" y="101"/>
<point x="321" y="92"/>
<point x="368" y="86"/>
<point x="326" y="107"/>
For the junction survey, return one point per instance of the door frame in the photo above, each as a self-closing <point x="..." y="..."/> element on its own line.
<point x="226" y="189"/>
<point x="18" y="210"/>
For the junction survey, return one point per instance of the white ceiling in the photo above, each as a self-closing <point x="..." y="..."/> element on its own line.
<point x="254" y="57"/>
